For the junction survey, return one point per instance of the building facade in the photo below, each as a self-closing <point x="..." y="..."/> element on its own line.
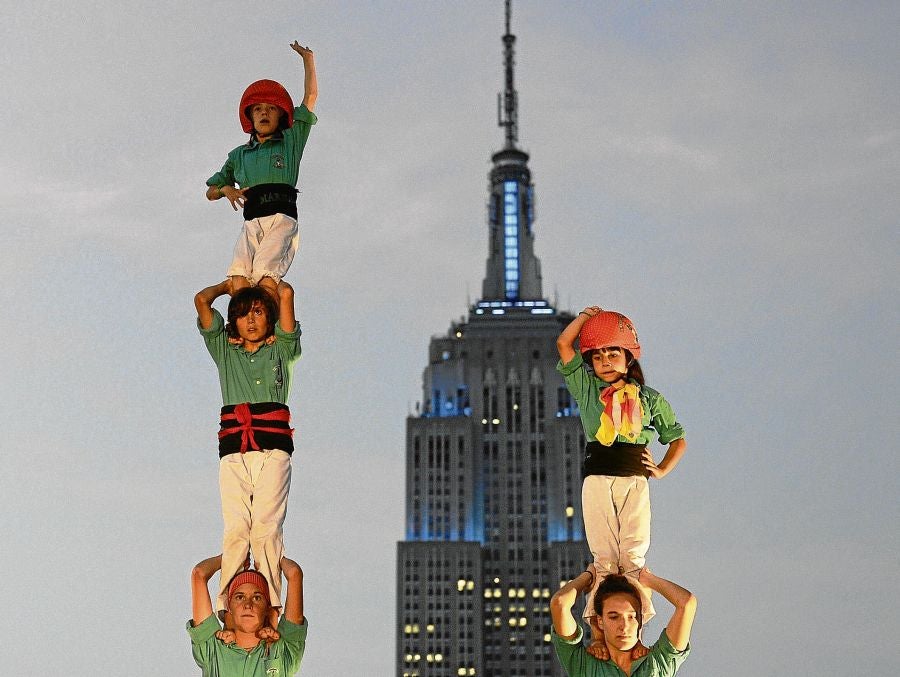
<point x="493" y="460"/>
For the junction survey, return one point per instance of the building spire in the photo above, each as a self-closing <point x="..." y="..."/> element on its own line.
<point x="508" y="101"/>
<point x="513" y="277"/>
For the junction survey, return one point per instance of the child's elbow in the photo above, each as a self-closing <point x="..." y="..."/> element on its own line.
<point x="198" y="575"/>
<point x="557" y="603"/>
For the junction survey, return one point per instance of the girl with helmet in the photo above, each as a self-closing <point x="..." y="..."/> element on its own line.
<point x="621" y="416"/>
<point x="261" y="176"/>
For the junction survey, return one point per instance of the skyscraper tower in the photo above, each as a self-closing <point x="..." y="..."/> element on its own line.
<point x="493" y="460"/>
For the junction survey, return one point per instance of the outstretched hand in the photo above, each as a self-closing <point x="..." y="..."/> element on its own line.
<point x="301" y="50"/>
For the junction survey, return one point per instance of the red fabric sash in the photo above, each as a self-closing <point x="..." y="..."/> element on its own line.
<point x="247" y="427"/>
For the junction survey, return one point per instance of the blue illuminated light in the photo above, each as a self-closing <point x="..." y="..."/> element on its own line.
<point x="511" y="231"/>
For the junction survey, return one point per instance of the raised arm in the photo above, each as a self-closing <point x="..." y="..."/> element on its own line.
<point x="564" y="599"/>
<point x="200" y="601"/>
<point x="286" y="316"/>
<point x="204" y="298"/>
<point x="565" y="344"/>
<point x="310" y="84"/>
<point x="293" y="606"/>
<point x="678" y="628"/>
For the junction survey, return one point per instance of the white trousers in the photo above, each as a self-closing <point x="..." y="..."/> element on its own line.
<point x="617" y="527"/>
<point x="254" y="488"/>
<point x="265" y="248"/>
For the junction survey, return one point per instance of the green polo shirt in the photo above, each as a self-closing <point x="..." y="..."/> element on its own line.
<point x="277" y="160"/>
<point x="263" y="376"/>
<point x="218" y="659"/>
<point x="662" y="661"/>
<point x="658" y="418"/>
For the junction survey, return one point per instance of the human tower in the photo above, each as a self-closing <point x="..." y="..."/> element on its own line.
<point x="621" y="417"/>
<point x="252" y="628"/>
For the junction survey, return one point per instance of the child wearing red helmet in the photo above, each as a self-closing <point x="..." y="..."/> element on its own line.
<point x="621" y="416"/>
<point x="252" y="645"/>
<point x="261" y="177"/>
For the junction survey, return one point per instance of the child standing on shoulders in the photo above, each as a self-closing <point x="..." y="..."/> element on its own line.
<point x="254" y="353"/>
<point x="620" y="416"/>
<point x="261" y="177"/>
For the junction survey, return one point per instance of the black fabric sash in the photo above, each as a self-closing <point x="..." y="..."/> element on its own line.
<point x="617" y="460"/>
<point x="270" y="198"/>
<point x="245" y="427"/>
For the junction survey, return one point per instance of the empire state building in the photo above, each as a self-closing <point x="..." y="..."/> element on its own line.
<point x="493" y="460"/>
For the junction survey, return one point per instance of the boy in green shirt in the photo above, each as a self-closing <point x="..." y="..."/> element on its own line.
<point x="261" y="177"/>
<point x="252" y="648"/>
<point x="254" y="353"/>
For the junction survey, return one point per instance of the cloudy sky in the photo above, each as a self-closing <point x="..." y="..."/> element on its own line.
<point x="724" y="173"/>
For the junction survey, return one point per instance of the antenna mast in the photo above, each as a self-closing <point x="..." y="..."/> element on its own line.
<point x="508" y="101"/>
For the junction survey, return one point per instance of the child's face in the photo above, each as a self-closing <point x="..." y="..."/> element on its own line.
<point x="254" y="325"/>
<point x="609" y="364"/>
<point x="265" y="117"/>
<point x="249" y="608"/>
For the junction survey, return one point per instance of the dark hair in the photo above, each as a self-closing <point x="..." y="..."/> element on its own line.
<point x="634" y="367"/>
<point x="282" y="118"/>
<point x="617" y="584"/>
<point x="241" y="304"/>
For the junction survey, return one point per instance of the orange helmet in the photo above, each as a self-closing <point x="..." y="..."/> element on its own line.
<point x="265" y="91"/>
<point x="606" y="329"/>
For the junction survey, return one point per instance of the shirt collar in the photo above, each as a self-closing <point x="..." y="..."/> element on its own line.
<point x="253" y="143"/>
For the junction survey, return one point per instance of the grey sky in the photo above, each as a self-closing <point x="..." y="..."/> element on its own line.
<point x="725" y="174"/>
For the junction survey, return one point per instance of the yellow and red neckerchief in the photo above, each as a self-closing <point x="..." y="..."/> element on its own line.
<point x="622" y="414"/>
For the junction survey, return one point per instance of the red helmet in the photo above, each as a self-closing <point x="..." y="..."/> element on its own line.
<point x="265" y="91"/>
<point x="608" y="328"/>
